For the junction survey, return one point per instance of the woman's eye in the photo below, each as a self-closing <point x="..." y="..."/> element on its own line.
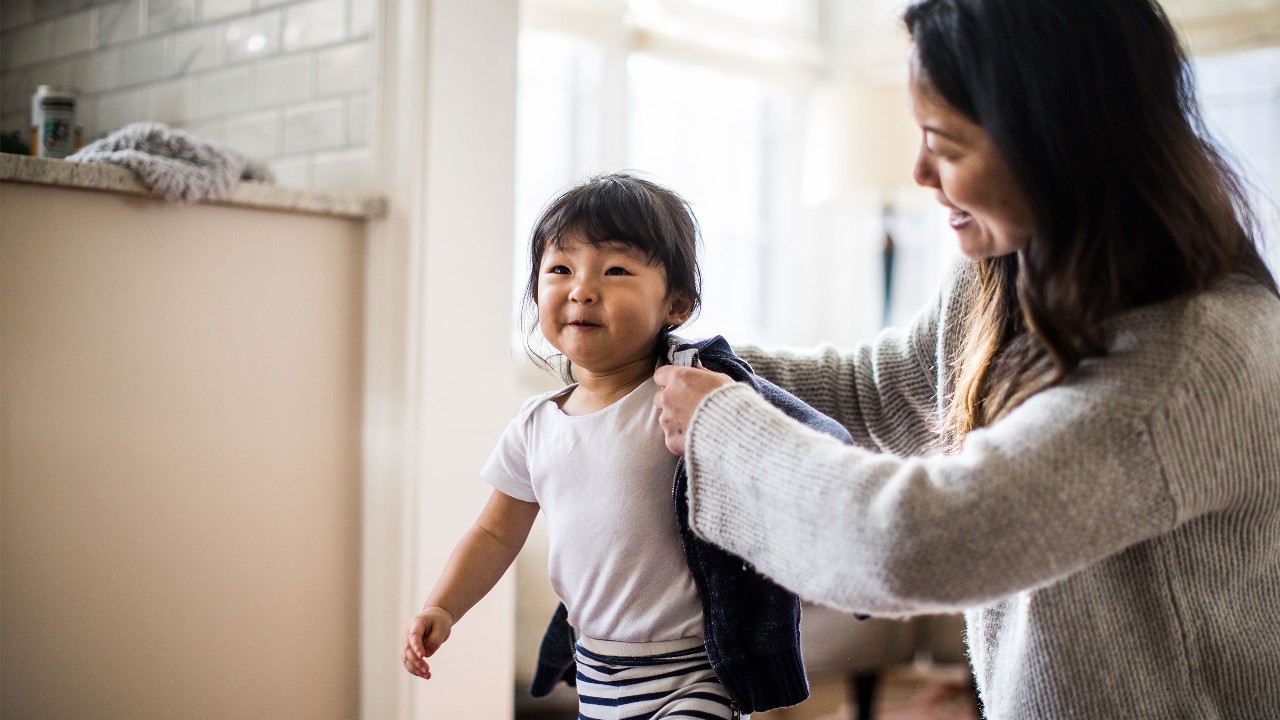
<point x="942" y="149"/>
<point x="616" y="271"/>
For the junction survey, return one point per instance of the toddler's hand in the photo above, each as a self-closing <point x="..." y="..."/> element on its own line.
<point x="426" y="632"/>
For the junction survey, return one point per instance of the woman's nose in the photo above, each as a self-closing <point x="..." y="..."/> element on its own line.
<point x="924" y="173"/>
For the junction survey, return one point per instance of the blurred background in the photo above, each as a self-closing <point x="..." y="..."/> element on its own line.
<point x="783" y="122"/>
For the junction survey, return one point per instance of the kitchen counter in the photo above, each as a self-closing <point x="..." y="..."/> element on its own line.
<point x="114" y="178"/>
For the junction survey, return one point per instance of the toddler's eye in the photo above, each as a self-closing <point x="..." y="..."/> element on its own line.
<point x="616" y="271"/>
<point x="559" y="270"/>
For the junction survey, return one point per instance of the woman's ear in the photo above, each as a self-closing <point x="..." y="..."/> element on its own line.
<point x="680" y="308"/>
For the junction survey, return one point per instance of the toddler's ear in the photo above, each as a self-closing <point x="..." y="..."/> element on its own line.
<point x="681" y="307"/>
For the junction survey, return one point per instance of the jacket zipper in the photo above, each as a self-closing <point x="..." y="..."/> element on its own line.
<point x="675" y="479"/>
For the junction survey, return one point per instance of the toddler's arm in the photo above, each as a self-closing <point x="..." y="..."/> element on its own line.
<point x="476" y="565"/>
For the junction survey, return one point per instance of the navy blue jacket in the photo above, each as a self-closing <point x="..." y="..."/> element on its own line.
<point x="751" y="626"/>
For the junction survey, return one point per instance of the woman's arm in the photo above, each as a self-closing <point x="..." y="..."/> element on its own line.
<point x="478" y="561"/>
<point x="881" y="392"/>
<point x="886" y="392"/>
<point x="1065" y="480"/>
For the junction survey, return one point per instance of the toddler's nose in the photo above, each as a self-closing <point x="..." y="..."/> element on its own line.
<point x="584" y="292"/>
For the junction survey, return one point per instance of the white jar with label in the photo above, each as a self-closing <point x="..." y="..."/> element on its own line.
<point x="54" y="132"/>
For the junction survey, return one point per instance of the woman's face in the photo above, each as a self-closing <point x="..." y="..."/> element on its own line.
<point x="989" y="212"/>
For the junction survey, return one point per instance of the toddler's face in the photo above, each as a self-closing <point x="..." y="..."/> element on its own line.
<point x="603" y="306"/>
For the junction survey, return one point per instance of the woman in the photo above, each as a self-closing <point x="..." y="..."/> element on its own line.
<point x="1078" y="444"/>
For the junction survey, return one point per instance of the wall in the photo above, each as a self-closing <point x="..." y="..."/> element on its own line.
<point x="440" y="385"/>
<point x="179" y="459"/>
<point x="286" y="81"/>
<point x="1183" y="10"/>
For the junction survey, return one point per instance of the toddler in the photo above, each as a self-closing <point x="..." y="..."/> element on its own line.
<point x="663" y="624"/>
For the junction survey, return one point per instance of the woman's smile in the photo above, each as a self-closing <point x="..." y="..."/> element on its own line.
<point x="958" y="218"/>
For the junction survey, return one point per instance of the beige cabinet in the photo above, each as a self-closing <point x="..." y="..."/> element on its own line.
<point x="179" y="458"/>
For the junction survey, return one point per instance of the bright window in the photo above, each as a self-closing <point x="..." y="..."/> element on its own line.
<point x="713" y="98"/>
<point x="1241" y="98"/>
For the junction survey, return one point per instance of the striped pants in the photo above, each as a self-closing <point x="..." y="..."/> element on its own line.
<point x="646" y="681"/>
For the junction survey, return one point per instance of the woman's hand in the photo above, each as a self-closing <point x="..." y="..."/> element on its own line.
<point x="680" y="389"/>
<point x="426" y="632"/>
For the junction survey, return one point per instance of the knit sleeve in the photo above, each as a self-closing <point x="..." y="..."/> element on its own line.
<point x="1061" y="482"/>
<point x="885" y="392"/>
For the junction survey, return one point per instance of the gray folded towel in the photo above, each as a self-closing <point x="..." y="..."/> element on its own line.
<point x="174" y="163"/>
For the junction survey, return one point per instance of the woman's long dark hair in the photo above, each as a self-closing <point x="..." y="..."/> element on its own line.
<point x="618" y="207"/>
<point x="1092" y="105"/>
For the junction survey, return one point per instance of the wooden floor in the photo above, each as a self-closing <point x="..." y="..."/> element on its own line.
<point x="909" y="692"/>
<point x="932" y="692"/>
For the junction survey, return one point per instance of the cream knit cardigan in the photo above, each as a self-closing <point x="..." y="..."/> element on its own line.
<point x="1114" y="541"/>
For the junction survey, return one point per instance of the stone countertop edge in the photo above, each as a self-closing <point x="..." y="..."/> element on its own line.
<point x="114" y="178"/>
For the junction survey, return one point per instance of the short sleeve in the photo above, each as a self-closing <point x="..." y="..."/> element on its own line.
<point x="507" y="468"/>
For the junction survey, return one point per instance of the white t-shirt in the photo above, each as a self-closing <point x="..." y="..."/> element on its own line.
<point x="604" y="483"/>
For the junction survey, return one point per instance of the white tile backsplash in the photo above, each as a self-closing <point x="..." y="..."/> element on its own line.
<point x="117" y="110"/>
<point x="222" y="93"/>
<point x="59" y="74"/>
<point x="315" y="127"/>
<point x="255" y="135"/>
<point x="292" y="172"/>
<point x="15" y="13"/>
<point x="252" y="37"/>
<point x="346" y="171"/>
<point x="168" y="15"/>
<point x="27" y="46"/>
<point x="100" y="71"/>
<point x="282" y="81"/>
<point x="318" y="22"/>
<point x="16" y="89"/>
<point x="194" y="50"/>
<point x="75" y="33"/>
<point x="206" y="130"/>
<point x="358" y="120"/>
<point x="120" y="22"/>
<point x="170" y="102"/>
<point x="219" y="9"/>
<point x="144" y="62"/>
<point x="45" y="9"/>
<point x="285" y="81"/>
<point x="343" y="70"/>
<point x="87" y="118"/>
<point x="363" y="14"/>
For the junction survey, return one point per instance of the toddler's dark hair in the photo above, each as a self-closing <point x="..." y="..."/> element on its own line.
<point x="622" y="208"/>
